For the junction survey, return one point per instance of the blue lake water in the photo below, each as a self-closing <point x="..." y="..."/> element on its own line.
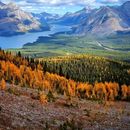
<point x="19" y="40"/>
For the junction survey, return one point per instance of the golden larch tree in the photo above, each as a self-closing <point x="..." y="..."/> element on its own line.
<point x="2" y="84"/>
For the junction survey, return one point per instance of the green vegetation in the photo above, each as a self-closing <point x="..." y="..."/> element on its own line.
<point x="88" y="68"/>
<point x="64" y="45"/>
<point x="120" y="42"/>
<point x="81" y="58"/>
<point x="30" y="73"/>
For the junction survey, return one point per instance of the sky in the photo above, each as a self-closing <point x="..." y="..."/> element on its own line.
<point x="61" y="6"/>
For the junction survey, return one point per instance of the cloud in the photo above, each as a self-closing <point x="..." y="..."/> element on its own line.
<point x="66" y="2"/>
<point x="112" y="1"/>
<point x="73" y="2"/>
<point x="61" y="2"/>
<point x="69" y="5"/>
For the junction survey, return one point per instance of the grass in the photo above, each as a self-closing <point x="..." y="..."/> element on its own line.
<point x="120" y="42"/>
<point x="62" y="45"/>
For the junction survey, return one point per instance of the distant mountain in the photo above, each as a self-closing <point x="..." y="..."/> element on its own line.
<point x="14" y="21"/>
<point x="49" y="16"/>
<point x="105" y="21"/>
<point x="2" y="4"/>
<point x="126" y="8"/>
<point x="73" y="18"/>
<point x="46" y="17"/>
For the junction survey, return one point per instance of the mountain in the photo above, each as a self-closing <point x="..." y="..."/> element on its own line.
<point x="14" y="21"/>
<point x="105" y="21"/>
<point x="73" y="18"/>
<point x="1" y="4"/>
<point x="45" y="17"/>
<point x="126" y="8"/>
<point x="49" y="16"/>
<point x="40" y="18"/>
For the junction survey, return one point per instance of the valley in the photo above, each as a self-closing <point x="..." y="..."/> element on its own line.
<point x="62" y="70"/>
<point x="63" y="45"/>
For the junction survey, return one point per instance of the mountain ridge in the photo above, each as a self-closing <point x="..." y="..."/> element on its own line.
<point x="105" y="21"/>
<point x="14" y="21"/>
<point x="73" y="18"/>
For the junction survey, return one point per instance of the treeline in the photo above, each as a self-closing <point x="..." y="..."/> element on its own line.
<point x="89" y="69"/>
<point x="26" y="72"/>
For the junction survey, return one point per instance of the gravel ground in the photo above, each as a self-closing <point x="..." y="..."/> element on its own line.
<point x="22" y="112"/>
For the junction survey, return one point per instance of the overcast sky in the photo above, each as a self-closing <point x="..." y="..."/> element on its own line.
<point x="61" y="6"/>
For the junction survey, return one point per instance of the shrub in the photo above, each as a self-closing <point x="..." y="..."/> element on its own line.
<point x="43" y="98"/>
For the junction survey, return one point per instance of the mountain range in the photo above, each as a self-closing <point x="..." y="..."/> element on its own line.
<point x="15" y="21"/>
<point x="103" y="21"/>
<point x="72" y="19"/>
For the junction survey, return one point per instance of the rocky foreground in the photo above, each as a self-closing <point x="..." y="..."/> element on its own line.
<point x="21" y="110"/>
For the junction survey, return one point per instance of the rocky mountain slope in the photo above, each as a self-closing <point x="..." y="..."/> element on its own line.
<point x="19" y="111"/>
<point x="14" y="21"/>
<point x="105" y="21"/>
<point x="73" y="18"/>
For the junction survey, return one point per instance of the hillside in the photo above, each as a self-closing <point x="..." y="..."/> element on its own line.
<point x="23" y="112"/>
<point x="15" y="21"/>
<point x="32" y="98"/>
<point x="88" y="68"/>
<point x="79" y="71"/>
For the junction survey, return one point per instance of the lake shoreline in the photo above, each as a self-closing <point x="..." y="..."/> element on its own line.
<point x="18" y="41"/>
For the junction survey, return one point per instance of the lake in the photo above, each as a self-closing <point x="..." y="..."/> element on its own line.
<point x="19" y="40"/>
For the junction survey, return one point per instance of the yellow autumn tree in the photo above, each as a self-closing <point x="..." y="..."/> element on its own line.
<point x="124" y="90"/>
<point x="112" y="90"/>
<point x="88" y="88"/>
<point x="71" y="88"/>
<point x="42" y="98"/>
<point x="2" y="84"/>
<point x="46" y="85"/>
<point x="100" y="90"/>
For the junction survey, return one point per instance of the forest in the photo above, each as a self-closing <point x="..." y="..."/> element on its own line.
<point x="83" y="77"/>
<point x="87" y="68"/>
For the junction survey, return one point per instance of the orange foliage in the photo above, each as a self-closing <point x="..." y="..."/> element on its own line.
<point x="71" y="88"/>
<point x="43" y="98"/>
<point x="86" y="88"/>
<point x="24" y="75"/>
<point x="99" y="90"/>
<point x="2" y="84"/>
<point x="124" y="91"/>
<point x="46" y="85"/>
<point x="128" y="93"/>
<point x="112" y="90"/>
